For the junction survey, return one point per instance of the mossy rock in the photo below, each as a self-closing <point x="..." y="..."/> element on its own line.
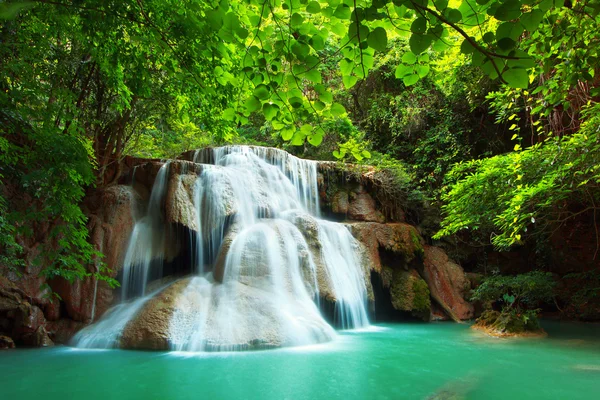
<point x="502" y="324"/>
<point x="409" y="292"/>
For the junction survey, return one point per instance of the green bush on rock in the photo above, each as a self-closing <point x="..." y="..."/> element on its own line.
<point x="518" y="297"/>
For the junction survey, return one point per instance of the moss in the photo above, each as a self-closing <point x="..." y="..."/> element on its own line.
<point x="421" y="301"/>
<point x="418" y="247"/>
<point x="409" y="292"/>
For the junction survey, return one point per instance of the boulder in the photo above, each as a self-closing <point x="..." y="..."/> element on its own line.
<point x="362" y="207"/>
<point x="409" y="292"/>
<point x="447" y="282"/>
<point x="232" y="315"/>
<point x="150" y="328"/>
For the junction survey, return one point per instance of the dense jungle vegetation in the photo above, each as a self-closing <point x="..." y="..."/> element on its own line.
<point x="486" y="111"/>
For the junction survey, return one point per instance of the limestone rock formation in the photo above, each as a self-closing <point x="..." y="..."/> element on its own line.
<point x="150" y="328"/>
<point x="259" y="327"/>
<point x="447" y="282"/>
<point x="180" y="201"/>
<point x="398" y="238"/>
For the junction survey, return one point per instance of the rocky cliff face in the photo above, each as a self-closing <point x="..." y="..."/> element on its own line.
<point x="416" y="279"/>
<point x="412" y="278"/>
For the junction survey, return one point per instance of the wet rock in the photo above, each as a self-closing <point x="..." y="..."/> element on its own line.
<point x="179" y="206"/>
<point x="258" y="325"/>
<point x="62" y="330"/>
<point x="39" y="338"/>
<point x="447" y="282"/>
<point x="6" y="342"/>
<point x="150" y="328"/>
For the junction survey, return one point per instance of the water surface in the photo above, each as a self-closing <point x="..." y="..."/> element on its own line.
<point x="391" y="361"/>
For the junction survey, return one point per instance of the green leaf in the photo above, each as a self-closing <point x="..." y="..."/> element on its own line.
<point x="509" y="10"/>
<point x="287" y="133"/>
<point x="313" y="7"/>
<point x="339" y="154"/>
<point x="337" y="109"/>
<point x="453" y="15"/>
<point x="270" y="111"/>
<point x="410" y="79"/>
<point x="298" y="138"/>
<point x="422" y="70"/>
<point x="377" y="39"/>
<point x="440" y="4"/>
<point x="466" y="47"/>
<point x="349" y="81"/>
<point x="262" y="92"/>
<point x="342" y="12"/>
<point x="313" y="75"/>
<point x="316" y="138"/>
<point x="317" y="42"/>
<point x="296" y="102"/>
<point x="229" y="114"/>
<point x="419" y="43"/>
<point x="403" y="70"/>
<point x="252" y="104"/>
<point x="297" y="19"/>
<point x="532" y="20"/>
<point x="516" y="78"/>
<point x="419" y="25"/>
<point x="301" y="50"/>
<point x="409" y="58"/>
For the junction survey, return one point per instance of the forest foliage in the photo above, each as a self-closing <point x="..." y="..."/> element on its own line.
<point x="489" y="106"/>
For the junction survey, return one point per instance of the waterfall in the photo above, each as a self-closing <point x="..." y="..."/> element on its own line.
<point x="262" y="259"/>
<point x="147" y="242"/>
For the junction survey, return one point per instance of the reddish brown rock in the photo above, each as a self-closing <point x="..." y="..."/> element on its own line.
<point x="447" y="282"/>
<point x="362" y="207"/>
<point x="110" y="226"/>
<point x="63" y="330"/>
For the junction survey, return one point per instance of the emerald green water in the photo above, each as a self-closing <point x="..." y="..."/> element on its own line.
<point x="395" y="361"/>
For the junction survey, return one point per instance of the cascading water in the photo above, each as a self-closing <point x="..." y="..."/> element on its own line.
<point x="262" y="259"/>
